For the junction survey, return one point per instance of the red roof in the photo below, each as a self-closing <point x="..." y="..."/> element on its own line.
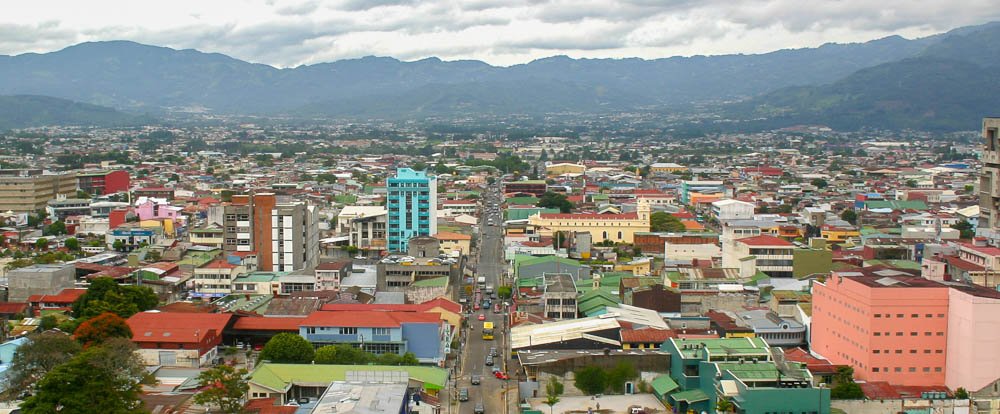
<point x="990" y="251"/>
<point x="964" y="264"/>
<point x="176" y="327"/>
<point x="284" y="324"/>
<point x="589" y="216"/>
<point x="219" y="264"/>
<point x="880" y="390"/>
<point x="813" y="364"/>
<point x="367" y="319"/>
<point x="338" y="265"/>
<point x="386" y="307"/>
<point x="13" y="307"/>
<point x="267" y="406"/>
<point x="765" y="240"/>
<point x="65" y="296"/>
<point x="647" y="335"/>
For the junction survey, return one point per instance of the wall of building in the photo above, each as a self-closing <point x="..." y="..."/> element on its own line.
<point x="424" y="340"/>
<point x="893" y="406"/>
<point x="973" y="353"/>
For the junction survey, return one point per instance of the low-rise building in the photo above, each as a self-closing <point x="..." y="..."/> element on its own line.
<point x="171" y="339"/>
<point x="39" y="280"/>
<point x="380" y="332"/>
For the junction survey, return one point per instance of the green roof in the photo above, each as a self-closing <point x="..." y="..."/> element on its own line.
<point x="899" y="264"/>
<point x="258" y="277"/>
<point x="524" y="213"/>
<point x="522" y="200"/>
<point x="663" y="385"/>
<point x="723" y="346"/>
<point x="198" y="259"/>
<point x="528" y="260"/>
<point x="750" y="371"/>
<point x="594" y="301"/>
<point x="690" y="396"/>
<point x="279" y="376"/>
<point x="432" y="282"/>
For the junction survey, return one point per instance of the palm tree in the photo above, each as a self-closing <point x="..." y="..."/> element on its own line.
<point x="723" y="405"/>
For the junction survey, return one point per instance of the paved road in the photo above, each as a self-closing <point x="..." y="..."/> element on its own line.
<point x="489" y="265"/>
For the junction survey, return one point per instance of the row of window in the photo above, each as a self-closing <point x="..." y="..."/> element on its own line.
<point x="912" y="351"/>
<point x="556" y="302"/>
<point x="909" y="369"/>
<point x="911" y="333"/>
<point x="912" y="315"/>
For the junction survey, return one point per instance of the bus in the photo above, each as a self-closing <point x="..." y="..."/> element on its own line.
<point x="488" y="331"/>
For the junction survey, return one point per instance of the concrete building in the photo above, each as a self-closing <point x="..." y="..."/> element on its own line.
<point x="27" y="191"/>
<point x="691" y="188"/>
<point x="454" y="244"/>
<point x="294" y="237"/>
<point x="330" y="275"/>
<point x="558" y="169"/>
<point x="412" y="206"/>
<point x="535" y="188"/>
<point x="559" y="296"/>
<point x="396" y="276"/>
<point x="368" y="234"/>
<point x="60" y="207"/>
<point x="989" y="182"/>
<point x="890" y="328"/>
<point x="98" y="183"/>
<point x="39" y="280"/>
<point x="189" y="340"/>
<point x="615" y="227"/>
<point x="660" y="168"/>
<point x="730" y="209"/>
<point x="380" y="332"/>
<point x="349" y="214"/>
<point x="771" y="255"/>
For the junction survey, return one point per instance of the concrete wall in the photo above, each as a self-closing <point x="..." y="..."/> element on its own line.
<point x="39" y="280"/>
<point x="893" y="406"/>
<point x="973" y="360"/>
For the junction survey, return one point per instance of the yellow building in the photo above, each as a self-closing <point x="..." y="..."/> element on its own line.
<point x="553" y="170"/>
<point x="27" y="191"/>
<point x="839" y="234"/>
<point x="614" y="227"/>
<point x="454" y="243"/>
<point x="638" y="267"/>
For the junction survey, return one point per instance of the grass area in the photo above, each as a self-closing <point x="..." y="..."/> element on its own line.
<point x="346" y="198"/>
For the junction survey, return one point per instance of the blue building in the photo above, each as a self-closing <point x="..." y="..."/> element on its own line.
<point x="702" y="187"/>
<point x="379" y="332"/>
<point x="412" y="206"/>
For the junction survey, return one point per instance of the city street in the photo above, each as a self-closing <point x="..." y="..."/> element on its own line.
<point x="489" y="265"/>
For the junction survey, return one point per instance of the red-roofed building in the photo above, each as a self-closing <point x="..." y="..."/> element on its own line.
<point x="764" y="253"/>
<point x="10" y="309"/>
<point x="178" y="339"/>
<point x="60" y="301"/>
<point x="380" y="332"/>
<point x="645" y="338"/>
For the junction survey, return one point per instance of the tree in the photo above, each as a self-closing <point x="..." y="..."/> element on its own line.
<point x="340" y="354"/>
<point x="103" y="379"/>
<point x="72" y="244"/>
<point x="41" y="243"/>
<point x="849" y="216"/>
<point x="911" y="183"/>
<point x="504" y="292"/>
<point x="34" y="358"/>
<point x="663" y="221"/>
<point x="961" y="394"/>
<point x="100" y="328"/>
<point x="553" y="390"/>
<point x="48" y="322"/>
<point x="223" y="386"/>
<point x="288" y="348"/>
<point x="845" y="388"/>
<point x="118" y="245"/>
<point x="106" y="295"/>
<point x="591" y="380"/>
<point x="819" y="183"/>
<point x="723" y="405"/>
<point x="965" y="228"/>
<point x="54" y="229"/>
<point x="555" y="200"/>
<point x="618" y="375"/>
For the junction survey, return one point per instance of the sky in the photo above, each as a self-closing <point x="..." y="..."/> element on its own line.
<point x="500" y="32"/>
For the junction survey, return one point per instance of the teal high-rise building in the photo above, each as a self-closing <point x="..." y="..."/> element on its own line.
<point x="412" y="206"/>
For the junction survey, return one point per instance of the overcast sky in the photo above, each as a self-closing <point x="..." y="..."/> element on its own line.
<point x="501" y="32"/>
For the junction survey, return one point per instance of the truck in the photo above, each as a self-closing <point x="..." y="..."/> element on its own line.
<point x="481" y="281"/>
<point x="489" y="289"/>
<point x="487" y="331"/>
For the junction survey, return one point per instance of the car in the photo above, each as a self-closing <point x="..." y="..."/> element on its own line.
<point x="481" y="317"/>
<point x="476" y="306"/>
<point x="463" y="394"/>
<point x="476" y="379"/>
<point x="500" y="375"/>
<point x="479" y="409"/>
<point x="493" y="351"/>
<point x="489" y="360"/>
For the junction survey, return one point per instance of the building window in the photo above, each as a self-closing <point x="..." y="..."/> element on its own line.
<point x="380" y="331"/>
<point x="897" y="369"/>
<point x="937" y="369"/>
<point x="913" y="369"/>
<point x="875" y="369"/>
<point x="348" y="331"/>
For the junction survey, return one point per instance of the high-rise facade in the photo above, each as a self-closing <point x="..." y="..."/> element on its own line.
<point x="284" y="236"/>
<point x="27" y="191"/>
<point x="989" y="183"/>
<point x="412" y="205"/>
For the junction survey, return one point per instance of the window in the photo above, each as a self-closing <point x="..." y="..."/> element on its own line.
<point x="380" y="331"/>
<point x="899" y="334"/>
<point x="310" y="330"/>
<point x="899" y="351"/>
<point x="913" y="334"/>
<point x="899" y="315"/>
<point x="876" y="351"/>
<point x="913" y="351"/>
<point x="927" y="334"/>
<point x="937" y="369"/>
<point x="878" y="315"/>
<point x="929" y="315"/>
<point x="927" y="369"/>
<point x="915" y="315"/>
<point x="349" y="331"/>
<point x="913" y="369"/>
<point x="875" y="369"/>
<point x="897" y="369"/>
<point x="878" y="333"/>
<point x="940" y="334"/>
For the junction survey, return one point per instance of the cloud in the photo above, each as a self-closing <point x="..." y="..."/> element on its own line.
<point x="293" y="32"/>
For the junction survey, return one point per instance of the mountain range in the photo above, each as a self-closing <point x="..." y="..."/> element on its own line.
<point x="884" y="82"/>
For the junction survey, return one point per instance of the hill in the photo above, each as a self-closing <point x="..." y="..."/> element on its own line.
<point x="131" y="76"/>
<point x="951" y="85"/>
<point x="21" y="111"/>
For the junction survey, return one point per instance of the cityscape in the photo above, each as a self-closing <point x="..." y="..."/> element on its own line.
<point x="632" y="228"/>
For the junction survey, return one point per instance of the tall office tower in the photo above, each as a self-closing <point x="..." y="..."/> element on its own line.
<point x="989" y="183"/>
<point x="294" y="237"/>
<point x="412" y="203"/>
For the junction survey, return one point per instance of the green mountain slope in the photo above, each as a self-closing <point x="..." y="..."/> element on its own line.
<point x="21" y="111"/>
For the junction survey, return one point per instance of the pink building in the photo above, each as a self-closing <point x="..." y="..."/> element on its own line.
<point x="156" y="208"/>
<point x="889" y="326"/>
<point x="973" y="340"/>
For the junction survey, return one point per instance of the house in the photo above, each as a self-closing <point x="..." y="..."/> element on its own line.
<point x="188" y="340"/>
<point x="764" y="253"/>
<point x="380" y="332"/>
<point x="448" y="311"/>
<point x="329" y="275"/>
<point x="454" y="244"/>
<point x="62" y="301"/>
<point x="741" y="370"/>
<point x="215" y="278"/>
<point x="289" y="382"/>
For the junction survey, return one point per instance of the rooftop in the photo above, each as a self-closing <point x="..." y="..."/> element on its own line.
<point x="279" y="376"/>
